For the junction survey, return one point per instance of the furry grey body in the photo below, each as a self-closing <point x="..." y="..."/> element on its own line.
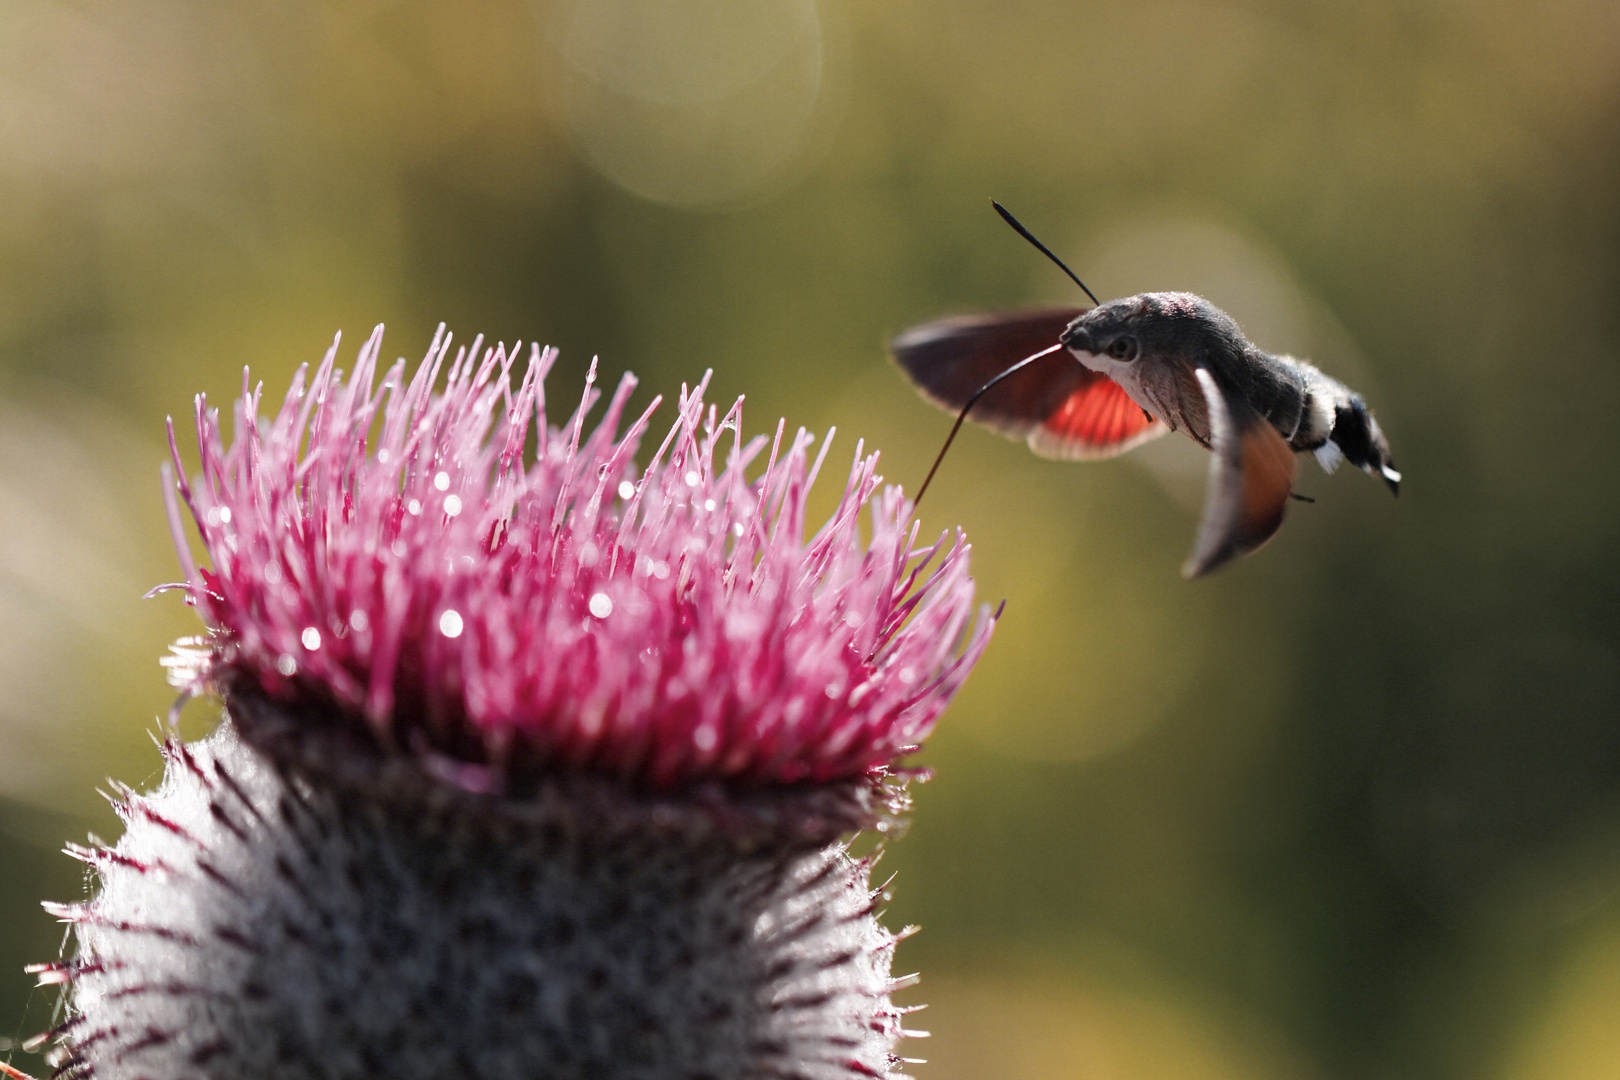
<point x="252" y="924"/>
<point x="1152" y="343"/>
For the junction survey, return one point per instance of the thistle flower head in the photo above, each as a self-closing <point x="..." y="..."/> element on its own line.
<point x="504" y="598"/>
<point x="534" y="763"/>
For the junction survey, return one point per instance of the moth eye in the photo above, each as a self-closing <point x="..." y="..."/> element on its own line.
<point x="1123" y="348"/>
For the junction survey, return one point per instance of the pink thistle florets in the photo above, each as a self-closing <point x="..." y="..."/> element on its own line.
<point x="406" y="556"/>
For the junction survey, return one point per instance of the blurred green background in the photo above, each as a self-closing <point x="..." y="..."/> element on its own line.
<point x="1350" y="809"/>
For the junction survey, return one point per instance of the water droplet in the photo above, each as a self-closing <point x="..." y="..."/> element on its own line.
<point x="212" y="517"/>
<point x="450" y="624"/>
<point x="398" y="548"/>
<point x="601" y="605"/>
<point x="452" y="504"/>
<point x="225" y="515"/>
<point x="359" y="621"/>
<point x="311" y="638"/>
<point x="383" y="455"/>
<point x="626" y="489"/>
<point x="442" y="481"/>
<point x="414" y="507"/>
<point x="706" y="738"/>
<point x="286" y="665"/>
<point x="692" y="478"/>
<point x="272" y="572"/>
<point x="589" y="555"/>
<point x="737" y="529"/>
<point x="660" y="570"/>
<point x="708" y="504"/>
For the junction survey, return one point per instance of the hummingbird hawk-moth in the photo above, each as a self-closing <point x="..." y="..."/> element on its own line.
<point x="1087" y="383"/>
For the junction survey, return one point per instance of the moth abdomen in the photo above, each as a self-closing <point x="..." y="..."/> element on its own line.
<point x="1356" y="434"/>
<point x="1295" y="397"/>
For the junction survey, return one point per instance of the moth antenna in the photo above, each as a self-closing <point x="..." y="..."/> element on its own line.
<point x="977" y="394"/>
<point x="1043" y="249"/>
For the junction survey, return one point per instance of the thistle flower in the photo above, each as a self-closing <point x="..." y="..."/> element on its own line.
<point x="532" y="764"/>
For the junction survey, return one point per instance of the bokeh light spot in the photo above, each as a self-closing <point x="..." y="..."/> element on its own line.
<point x="699" y="103"/>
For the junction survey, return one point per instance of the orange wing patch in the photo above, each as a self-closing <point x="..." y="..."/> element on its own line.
<point x="1269" y="467"/>
<point x="1251" y="472"/>
<point x="1097" y="420"/>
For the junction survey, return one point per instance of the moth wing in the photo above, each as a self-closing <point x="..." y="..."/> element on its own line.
<point x="1097" y="420"/>
<point x="1060" y="407"/>
<point x="1251" y="474"/>
<point x="949" y="360"/>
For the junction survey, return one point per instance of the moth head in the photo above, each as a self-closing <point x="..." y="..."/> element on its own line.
<point x="1166" y="326"/>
